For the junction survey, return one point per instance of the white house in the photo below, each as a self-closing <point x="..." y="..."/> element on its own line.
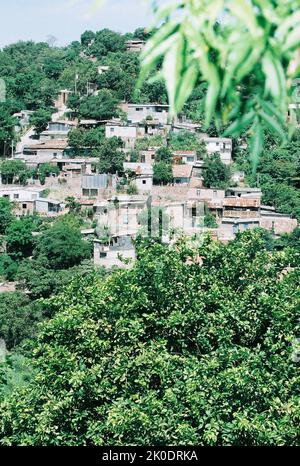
<point x="223" y="146"/>
<point x="128" y="133"/>
<point x="54" y="148"/>
<point x="143" y="174"/>
<point x="57" y="130"/>
<point x="136" y="113"/>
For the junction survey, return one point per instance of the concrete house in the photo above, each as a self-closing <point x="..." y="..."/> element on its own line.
<point x="182" y="173"/>
<point x="276" y="222"/>
<point x="244" y="192"/>
<point x="29" y="200"/>
<point x="143" y="174"/>
<point x="48" y="207"/>
<point x="23" y="117"/>
<point x="54" y="148"/>
<point x="57" y="130"/>
<point x="137" y="113"/>
<point x="120" y="214"/>
<point x="148" y="156"/>
<point x="93" y="183"/>
<point x="222" y="146"/>
<point x="110" y="253"/>
<point x="135" y="45"/>
<point x="61" y="101"/>
<point x="181" y="156"/>
<point x="128" y="133"/>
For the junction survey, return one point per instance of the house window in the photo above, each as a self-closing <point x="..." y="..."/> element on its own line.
<point x="103" y="255"/>
<point x="54" y="154"/>
<point x="112" y="130"/>
<point x="144" y="181"/>
<point x="198" y="192"/>
<point x="139" y="109"/>
<point x="16" y="196"/>
<point x="125" y="219"/>
<point x="215" y="194"/>
<point x="24" y="206"/>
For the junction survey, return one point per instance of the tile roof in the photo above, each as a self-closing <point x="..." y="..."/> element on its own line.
<point x="182" y="171"/>
<point x="52" y="144"/>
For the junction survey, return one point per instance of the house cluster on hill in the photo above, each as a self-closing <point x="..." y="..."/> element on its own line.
<point x="189" y="205"/>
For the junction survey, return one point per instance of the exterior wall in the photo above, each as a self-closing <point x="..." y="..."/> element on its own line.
<point x="148" y="156"/>
<point x="223" y="146"/>
<point x="47" y="207"/>
<point x="127" y="132"/>
<point x="94" y="181"/>
<point x="279" y="225"/>
<point x="121" y="217"/>
<point x="137" y="113"/>
<point x="228" y="230"/>
<point x="206" y="194"/>
<point x="144" y="183"/>
<point x="25" y="207"/>
<point x="44" y="153"/>
<point x="109" y="255"/>
<point x="17" y="194"/>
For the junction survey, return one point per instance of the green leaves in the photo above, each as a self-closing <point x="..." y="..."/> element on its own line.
<point x="167" y="353"/>
<point x="246" y="54"/>
<point x="256" y="142"/>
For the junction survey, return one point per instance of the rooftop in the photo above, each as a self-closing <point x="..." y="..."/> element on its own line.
<point x="52" y="144"/>
<point x="139" y="168"/>
<point x="148" y="105"/>
<point x="241" y="202"/>
<point x="182" y="171"/>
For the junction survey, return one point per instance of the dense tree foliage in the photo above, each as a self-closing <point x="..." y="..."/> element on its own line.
<point x="103" y="106"/>
<point x="162" y="173"/>
<point x="278" y="174"/>
<point x="19" y="238"/>
<point x="61" y="246"/>
<point x="216" y="173"/>
<point x="40" y="119"/>
<point x="18" y="318"/>
<point x="6" y="214"/>
<point x="111" y="157"/>
<point x="185" y="140"/>
<point x="177" y="350"/>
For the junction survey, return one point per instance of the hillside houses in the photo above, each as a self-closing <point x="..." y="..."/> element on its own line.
<point x="28" y="200"/>
<point x="184" y="198"/>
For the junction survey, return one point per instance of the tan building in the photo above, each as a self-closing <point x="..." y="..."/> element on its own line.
<point x="182" y="174"/>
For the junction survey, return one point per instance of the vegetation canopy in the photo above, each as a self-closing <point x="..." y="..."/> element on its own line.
<point x="242" y="49"/>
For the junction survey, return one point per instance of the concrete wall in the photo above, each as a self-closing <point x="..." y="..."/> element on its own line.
<point x="138" y="113"/>
<point x="279" y="225"/>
